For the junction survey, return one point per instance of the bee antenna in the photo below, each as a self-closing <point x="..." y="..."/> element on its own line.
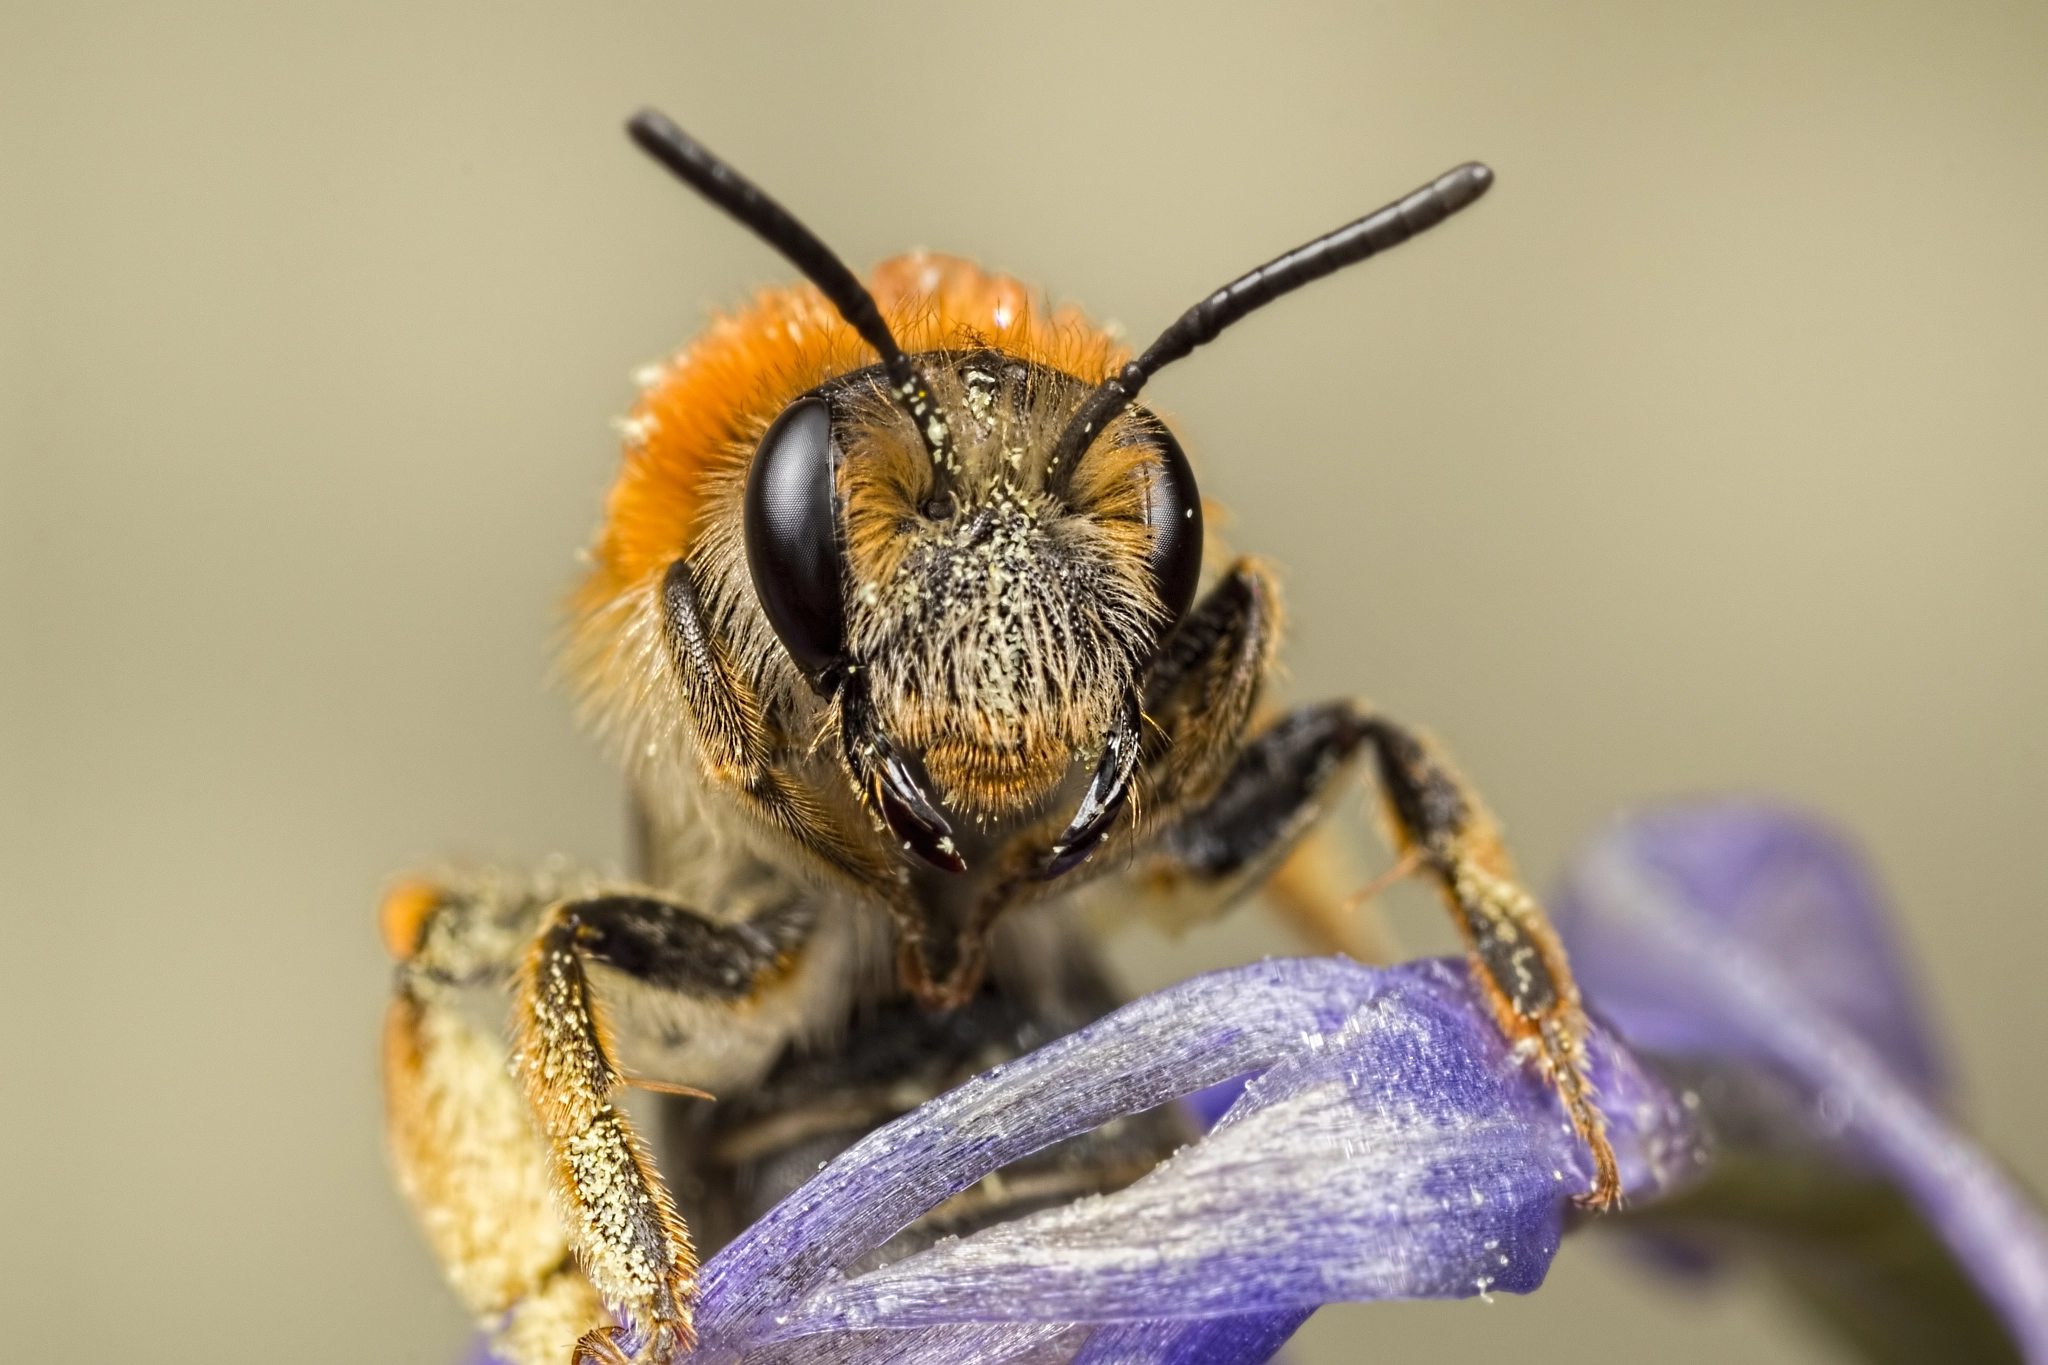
<point x="696" y="166"/>
<point x="1370" y="235"/>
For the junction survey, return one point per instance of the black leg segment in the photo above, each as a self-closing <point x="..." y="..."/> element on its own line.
<point x="1426" y="800"/>
<point x="677" y="949"/>
<point x="1270" y="790"/>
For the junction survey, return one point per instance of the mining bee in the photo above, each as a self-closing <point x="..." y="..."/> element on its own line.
<point x="897" y="615"/>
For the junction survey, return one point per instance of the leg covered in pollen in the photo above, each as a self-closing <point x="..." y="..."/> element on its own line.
<point x="629" y="1237"/>
<point x="1436" y="820"/>
<point x="539" y="1200"/>
<point x="475" y="1170"/>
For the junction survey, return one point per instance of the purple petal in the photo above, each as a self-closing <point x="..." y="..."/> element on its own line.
<point x="1799" y="895"/>
<point x="1740" y="930"/>
<point x="1392" y="1147"/>
<point x="1212" y="1102"/>
<point x="1245" y="1340"/>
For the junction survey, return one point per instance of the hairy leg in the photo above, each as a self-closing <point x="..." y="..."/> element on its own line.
<point x="1221" y="836"/>
<point x="625" y="1228"/>
<point x="1262" y="832"/>
<point x="735" y="742"/>
<point x="1516" y="956"/>
<point x="462" y="1141"/>
<point x="1269" y="796"/>
<point x="522" y="1176"/>
<point x="1231" y="814"/>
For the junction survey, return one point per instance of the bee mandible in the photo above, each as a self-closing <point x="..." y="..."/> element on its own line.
<point x="897" y="618"/>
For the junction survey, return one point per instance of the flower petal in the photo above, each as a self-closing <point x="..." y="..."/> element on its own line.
<point x="1737" y="930"/>
<point x="1391" y="1148"/>
<point x="1791" y="889"/>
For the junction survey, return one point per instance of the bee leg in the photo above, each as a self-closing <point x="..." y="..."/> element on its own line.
<point x="1269" y="796"/>
<point x="491" y="1178"/>
<point x="466" y="1153"/>
<point x="1270" y="799"/>
<point x="624" y="1226"/>
<point x="1199" y="693"/>
<point x="1515" y="954"/>
<point x="476" y="1172"/>
<point x="1228" y="812"/>
<point x="733" y="741"/>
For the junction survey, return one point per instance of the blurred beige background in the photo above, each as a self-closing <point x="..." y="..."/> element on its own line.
<point x="1706" y="454"/>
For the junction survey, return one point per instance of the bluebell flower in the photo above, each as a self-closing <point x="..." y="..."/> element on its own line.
<point x="1745" y="948"/>
<point x="1374" y="1138"/>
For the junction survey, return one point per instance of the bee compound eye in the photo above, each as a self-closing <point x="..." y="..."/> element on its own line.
<point x="1173" y="509"/>
<point x="792" y="530"/>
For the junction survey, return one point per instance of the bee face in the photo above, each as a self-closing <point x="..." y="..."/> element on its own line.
<point x="999" y="610"/>
<point x="887" y="653"/>
<point x="896" y="562"/>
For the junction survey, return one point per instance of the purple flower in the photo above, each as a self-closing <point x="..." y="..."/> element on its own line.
<point x="1374" y="1138"/>
<point x="1389" y="1147"/>
<point x="1745" y="946"/>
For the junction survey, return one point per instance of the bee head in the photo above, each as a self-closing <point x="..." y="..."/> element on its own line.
<point x="994" y="609"/>
<point x="974" y="555"/>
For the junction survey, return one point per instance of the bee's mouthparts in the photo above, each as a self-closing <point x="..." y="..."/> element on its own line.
<point x="1109" y="791"/>
<point x="893" y="790"/>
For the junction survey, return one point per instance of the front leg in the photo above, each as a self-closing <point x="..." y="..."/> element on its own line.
<point x="1227" y="815"/>
<point x="1219" y="837"/>
<point x="461" y="1139"/>
<point x="1255" y="830"/>
<point x="1439" y="826"/>
<point x="523" y="1175"/>
<point x="1270" y="796"/>
<point x="628" y="1236"/>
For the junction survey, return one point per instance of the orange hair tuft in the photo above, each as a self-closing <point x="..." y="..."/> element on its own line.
<point x="709" y="407"/>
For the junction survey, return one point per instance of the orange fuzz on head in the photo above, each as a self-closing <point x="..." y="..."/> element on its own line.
<point x="703" y="413"/>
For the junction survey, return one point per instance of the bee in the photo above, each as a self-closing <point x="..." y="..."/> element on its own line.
<point x="898" y="618"/>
